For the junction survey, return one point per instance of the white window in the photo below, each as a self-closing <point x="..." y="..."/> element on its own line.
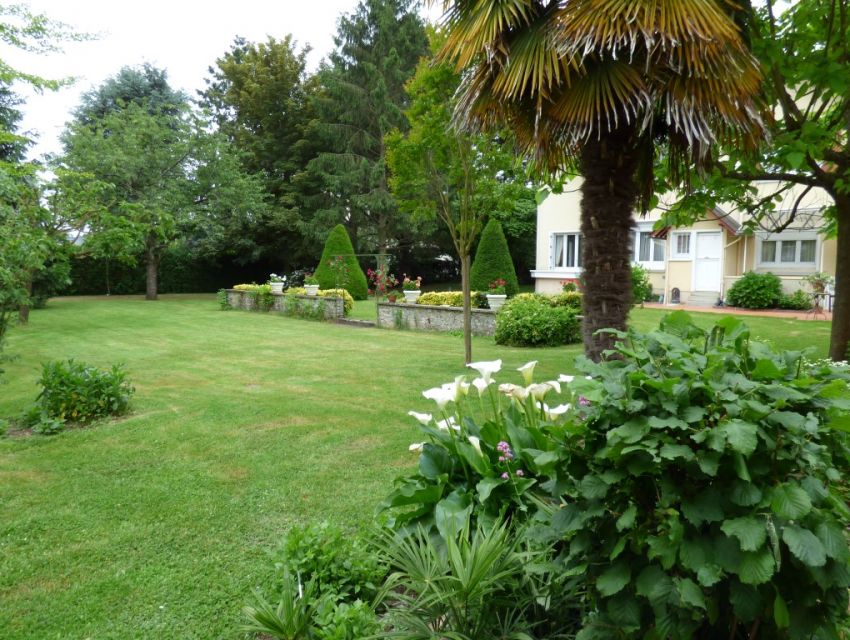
<point x="682" y="245"/>
<point x="788" y="250"/>
<point x="566" y="251"/>
<point x="649" y="251"/>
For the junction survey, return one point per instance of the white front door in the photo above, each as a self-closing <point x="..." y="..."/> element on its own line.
<point x="708" y="273"/>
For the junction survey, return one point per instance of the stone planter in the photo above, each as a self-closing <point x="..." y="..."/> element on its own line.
<point x="277" y="287"/>
<point x="411" y="295"/>
<point x="495" y="300"/>
<point x="311" y="289"/>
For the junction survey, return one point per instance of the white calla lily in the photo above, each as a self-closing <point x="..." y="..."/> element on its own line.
<point x="527" y="371"/>
<point x="565" y="378"/>
<point x="487" y="368"/>
<point x="448" y="423"/>
<point x="416" y="447"/>
<point x="476" y="443"/>
<point x="423" y="418"/>
<point x="481" y="384"/>
<point x="554" y="384"/>
<point x="440" y="395"/>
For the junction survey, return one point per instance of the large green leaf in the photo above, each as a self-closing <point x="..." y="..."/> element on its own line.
<point x="834" y="540"/>
<point x="451" y="514"/>
<point x="749" y="530"/>
<point x="705" y="507"/>
<point x="780" y="613"/>
<point x="434" y="461"/>
<point x="614" y="578"/>
<point x="790" y="501"/>
<point x="745" y="494"/>
<point x="627" y="519"/>
<point x="654" y="584"/>
<point x="690" y="592"/>
<point x="805" y="545"/>
<point x="593" y="487"/>
<point x="756" y="567"/>
<point x="741" y="435"/>
<point x="673" y="451"/>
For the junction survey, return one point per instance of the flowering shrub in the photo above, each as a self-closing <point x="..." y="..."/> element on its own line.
<point x="276" y="278"/>
<point x="694" y="484"/>
<point x="409" y="284"/>
<point x="497" y="287"/>
<point x="381" y="281"/>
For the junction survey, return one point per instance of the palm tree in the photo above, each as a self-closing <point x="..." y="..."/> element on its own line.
<point x="597" y="85"/>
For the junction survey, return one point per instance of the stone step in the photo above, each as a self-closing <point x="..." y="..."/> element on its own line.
<point x="703" y="298"/>
<point x="355" y="323"/>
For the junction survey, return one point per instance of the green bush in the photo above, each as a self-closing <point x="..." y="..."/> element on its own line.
<point x="799" y="301"/>
<point x="533" y="322"/>
<point x="79" y="393"/>
<point x="641" y="286"/>
<point x="493" y="261"/>
<point x="755" y="291"/>
<point x="452" y="299"/>
<point x="328" y="272"/>
<point x="694" y="484"/>
<point x="337" y="563"/>
<point x="569" y="299"/>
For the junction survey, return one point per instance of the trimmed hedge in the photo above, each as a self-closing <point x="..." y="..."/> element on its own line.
<point x="452" y="299"/>
<point x="338" y="243"/>
<point x="755" y="291"/>
<point x="493" y="261"/>
<point x="532" y="320"/>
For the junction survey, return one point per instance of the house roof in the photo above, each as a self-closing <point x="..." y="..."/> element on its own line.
<point x="724" y="219"/>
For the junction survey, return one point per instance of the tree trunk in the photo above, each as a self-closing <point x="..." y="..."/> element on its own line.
<point x="24" y="309"/>
<point x="467" y="308"/>
<point x="609" y="196"/>
<point x="839" y="339"/>
<point x="152" y="268"/>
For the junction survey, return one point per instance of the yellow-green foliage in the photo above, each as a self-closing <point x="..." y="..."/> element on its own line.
<point x="347" y="298"/>
<point x="246" y="287"/>
<point x="451" y="299"/>
<point x="568" y="299"/>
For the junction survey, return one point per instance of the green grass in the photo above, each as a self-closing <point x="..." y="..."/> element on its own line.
<point x="158" y="525"/>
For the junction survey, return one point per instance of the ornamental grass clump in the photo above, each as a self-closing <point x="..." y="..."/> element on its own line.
<point x="692" y="482"/>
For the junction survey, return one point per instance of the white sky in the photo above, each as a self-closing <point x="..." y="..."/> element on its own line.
<point x="182" y="36"/>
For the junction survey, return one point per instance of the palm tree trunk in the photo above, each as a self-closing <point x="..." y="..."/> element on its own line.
<point x="839" y="339"/>
<point x="465" y="261"/>
<point x="609" y="196"/>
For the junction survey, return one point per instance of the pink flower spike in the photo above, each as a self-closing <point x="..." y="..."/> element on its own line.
<point x="520" y="473"/>
<point x="505" y="475"/>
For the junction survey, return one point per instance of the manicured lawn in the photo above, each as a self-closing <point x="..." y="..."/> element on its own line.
<point x="158" y="525"/>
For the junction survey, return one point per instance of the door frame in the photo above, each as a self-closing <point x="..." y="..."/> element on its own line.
<point x="721" y="260"/>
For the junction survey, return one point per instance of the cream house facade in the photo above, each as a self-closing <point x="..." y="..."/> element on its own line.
<point x="695" y="264"/>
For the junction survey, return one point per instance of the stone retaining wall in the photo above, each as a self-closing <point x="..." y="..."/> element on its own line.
<point x="426" y="317"/>
<point x="303" y="306"/>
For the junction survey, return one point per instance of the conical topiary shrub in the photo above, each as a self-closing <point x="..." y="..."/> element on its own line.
<point x="493" y="261"/>
<point x="338" y="243"/>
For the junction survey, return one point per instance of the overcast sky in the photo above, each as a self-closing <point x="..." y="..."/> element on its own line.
<point x="182" y="36"/>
